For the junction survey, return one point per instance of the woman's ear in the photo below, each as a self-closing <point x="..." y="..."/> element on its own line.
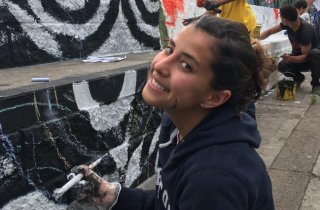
<point x="216" y="99"/>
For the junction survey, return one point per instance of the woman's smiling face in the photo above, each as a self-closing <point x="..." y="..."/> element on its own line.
<point x="180" y="75"/>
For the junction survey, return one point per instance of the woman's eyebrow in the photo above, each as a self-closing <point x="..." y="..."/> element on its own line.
<point x="190" y="57"/>
<point x="187" y="55"/>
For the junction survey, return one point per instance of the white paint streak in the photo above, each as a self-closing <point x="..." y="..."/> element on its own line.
<point x="33" y="29"/>
<point x="134" y="169"/>
<point x="8" y="167"/>
<point x="129" y="84"/>
<point x="120" y="34"/>
<point x="154" y="141"/>
<point x="33" y="201"/>
<point x="153" y="31"/>
<point x="3" y="38"/>
<point x="83" y="96"/>
<point x="120" y="154"/>
<point x="79" y="31"/>
<point x="152" y="6"/>
<point x="72" y="4"/>
<point x="109" y="116"/>
<point x="104" y="117"/>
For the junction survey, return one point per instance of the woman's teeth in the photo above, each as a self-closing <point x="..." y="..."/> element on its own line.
<point x="157" y="85"/>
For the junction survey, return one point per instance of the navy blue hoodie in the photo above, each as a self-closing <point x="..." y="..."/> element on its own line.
<point x="216" y="167"/>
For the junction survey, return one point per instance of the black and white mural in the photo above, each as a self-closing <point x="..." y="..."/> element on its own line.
<point x="46" y="133"/>
<point x="40" y="31"/>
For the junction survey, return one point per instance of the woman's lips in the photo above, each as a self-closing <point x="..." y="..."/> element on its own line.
<point x="158" y="86"/>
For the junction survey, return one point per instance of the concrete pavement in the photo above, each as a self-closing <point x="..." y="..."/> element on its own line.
<point x="290" y="147"/>
<point x="290" y="129"/>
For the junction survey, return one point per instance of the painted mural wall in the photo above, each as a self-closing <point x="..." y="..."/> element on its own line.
<point x="46" y="133"/>
<point x="39" y="31"/>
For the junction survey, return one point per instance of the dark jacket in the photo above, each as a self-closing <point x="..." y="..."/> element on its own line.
<point x="216" y="167"/>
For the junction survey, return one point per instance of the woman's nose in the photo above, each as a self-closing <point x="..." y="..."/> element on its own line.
<point x="164" y="65"/>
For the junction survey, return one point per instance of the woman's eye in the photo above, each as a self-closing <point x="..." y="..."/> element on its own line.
<point x="186" y="66"/>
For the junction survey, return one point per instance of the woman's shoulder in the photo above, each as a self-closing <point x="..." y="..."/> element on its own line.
<point x="232" y="156"/>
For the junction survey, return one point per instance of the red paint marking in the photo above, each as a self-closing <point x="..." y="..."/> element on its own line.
<point x="200" y="3"/>
<point x="276" y="13"/>
<point x="172" y="7"/>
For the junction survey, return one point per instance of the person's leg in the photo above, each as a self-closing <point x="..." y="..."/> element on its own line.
<point x="317" y="27"/>
<point x="283" y="66"/>
<point x="293" y="70"/>
<point x="314" y="60"/>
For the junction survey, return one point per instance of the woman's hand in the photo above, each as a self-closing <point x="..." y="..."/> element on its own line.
<point x="105" y="194"/>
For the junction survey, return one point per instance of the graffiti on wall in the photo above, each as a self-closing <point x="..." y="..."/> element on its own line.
<point x="172" y="8"/>
<point x="46" y="133"/>
<point x="266" y="17"/>
<point x="38" y="31"/>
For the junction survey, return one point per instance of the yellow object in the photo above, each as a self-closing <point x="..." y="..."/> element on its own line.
<point x="239" y="10"/>
<point x="256" y="32"/>
<point x="286" y="90"/>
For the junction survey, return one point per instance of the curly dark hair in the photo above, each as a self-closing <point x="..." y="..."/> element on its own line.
<point x="239" y="65"/>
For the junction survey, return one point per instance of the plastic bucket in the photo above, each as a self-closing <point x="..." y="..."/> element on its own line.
<point x="286" y="90"/>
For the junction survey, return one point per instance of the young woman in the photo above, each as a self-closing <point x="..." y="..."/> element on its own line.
<point x="207" y="159"/>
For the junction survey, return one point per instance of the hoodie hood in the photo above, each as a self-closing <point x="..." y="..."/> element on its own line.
<point x="222" y="126"/>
